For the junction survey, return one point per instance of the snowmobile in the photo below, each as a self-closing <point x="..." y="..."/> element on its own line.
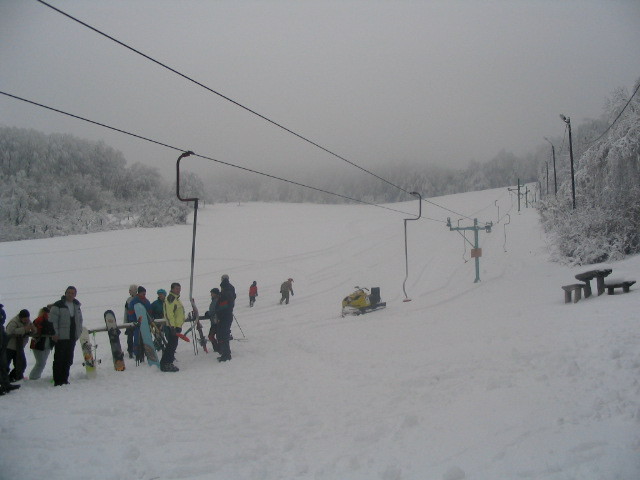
<point x="361" y="301"/>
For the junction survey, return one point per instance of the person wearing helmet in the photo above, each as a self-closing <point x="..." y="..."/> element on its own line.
<point x="285" y="289"/>
<point x="157" y="306"/>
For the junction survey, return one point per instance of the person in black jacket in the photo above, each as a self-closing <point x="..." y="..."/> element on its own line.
<point x="66" y="317"/>
<point x="224" y="313"/>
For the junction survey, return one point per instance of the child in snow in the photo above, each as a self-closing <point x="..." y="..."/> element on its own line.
<point x="253" y="293"/>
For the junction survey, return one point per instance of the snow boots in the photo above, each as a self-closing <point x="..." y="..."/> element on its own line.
<point x="168" y="367"/>
<point x="225" y="351"/>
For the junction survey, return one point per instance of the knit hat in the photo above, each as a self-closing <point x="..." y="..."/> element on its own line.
<point x="24" y="314"/>
<point x="161" y="291"/>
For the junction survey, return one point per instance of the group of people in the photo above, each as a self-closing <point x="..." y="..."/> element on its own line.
<point x="169" y="307"/>
<point x="58" y="327"/>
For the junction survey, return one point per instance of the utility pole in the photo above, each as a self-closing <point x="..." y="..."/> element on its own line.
<point x="547" y="165"/>
<point x="555" y="179"/>
<point x="567" y="120"/>
<point x="519" y="194"/>
<point x="476" y="251"/>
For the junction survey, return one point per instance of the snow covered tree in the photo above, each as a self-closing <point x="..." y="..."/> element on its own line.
<point x="606" y="222"/>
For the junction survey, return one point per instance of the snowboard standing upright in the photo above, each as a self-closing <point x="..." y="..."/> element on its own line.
<point x="145" y="332"/>
<point x="114" y="338"/>
<point x="87" y="352"/>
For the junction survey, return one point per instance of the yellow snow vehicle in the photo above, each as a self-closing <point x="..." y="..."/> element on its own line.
<point x="362" y="301"/>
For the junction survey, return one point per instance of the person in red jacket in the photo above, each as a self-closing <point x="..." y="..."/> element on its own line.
<point x="41" y="344"/>
<point x="253" y="293"/>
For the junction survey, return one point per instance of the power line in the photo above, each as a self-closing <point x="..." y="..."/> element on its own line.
<point x="199" y="155"/>
<point x="186" y="77"/>
<point x="616" y="119"/>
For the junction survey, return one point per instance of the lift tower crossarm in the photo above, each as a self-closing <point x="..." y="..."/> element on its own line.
<point x="477" y="251"/>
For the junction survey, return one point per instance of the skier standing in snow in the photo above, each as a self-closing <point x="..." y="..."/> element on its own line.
<point x="253" y="293"/>
<point x="157" y="306"/>
<point x="41" y="342"/>
<point x="174" y="313"/>
<point x="141" y="298"/>
<point x="18" y="330"/>
<point x="285" y="288"/>
<point x="66" y="317"/>
<point x="133" y="289"/>
<point x="224" y="312"/>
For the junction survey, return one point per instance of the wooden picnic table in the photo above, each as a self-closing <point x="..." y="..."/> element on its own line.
<point x="599" y="275"/>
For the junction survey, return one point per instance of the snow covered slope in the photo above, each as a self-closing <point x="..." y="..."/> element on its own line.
<point x="491" y="380"/>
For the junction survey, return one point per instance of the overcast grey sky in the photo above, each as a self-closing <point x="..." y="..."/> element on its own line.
<point x="439" y="82"/>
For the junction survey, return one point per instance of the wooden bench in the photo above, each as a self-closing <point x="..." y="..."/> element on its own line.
<point x="577" y="288"/>
<point x="625" y="285"/>
<point x="599" y="275"/>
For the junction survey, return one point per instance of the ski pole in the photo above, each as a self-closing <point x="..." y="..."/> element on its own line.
<point x="243" y="335"/>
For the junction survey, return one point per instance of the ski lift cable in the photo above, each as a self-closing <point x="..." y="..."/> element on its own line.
<point x="238" y="104"/>
<point x="264" y="117"/>
<point x="465" y="241"/>
<point x="490" y="205"/>
<point x="564" y="138"/>
<point x="448" y="210"/>
<point x="199" y="155"/>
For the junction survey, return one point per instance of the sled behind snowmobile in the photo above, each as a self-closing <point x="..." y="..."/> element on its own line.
<point x="361" y="301"/>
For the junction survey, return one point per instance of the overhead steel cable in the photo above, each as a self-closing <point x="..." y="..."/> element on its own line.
<point x="617" y="118"/>
<point x="199" y="155"/>
<point x="186" y="77"/>
<point x="447" y="209"/>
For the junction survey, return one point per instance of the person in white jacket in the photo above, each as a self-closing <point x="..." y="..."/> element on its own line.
<point x="18" y="330"/>
<point x="66" y="317"/>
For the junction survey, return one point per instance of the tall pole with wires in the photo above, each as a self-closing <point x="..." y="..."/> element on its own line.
<point x="567" y="120"/>
<point x="476" y="251"/>
<point x="555" y="179"/>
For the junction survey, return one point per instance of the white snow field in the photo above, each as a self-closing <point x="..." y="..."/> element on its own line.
<point x="492" y="380"/>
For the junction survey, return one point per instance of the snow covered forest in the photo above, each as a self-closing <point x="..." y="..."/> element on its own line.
<point x="605" y="224"/>
<point x="57" y="184"/>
